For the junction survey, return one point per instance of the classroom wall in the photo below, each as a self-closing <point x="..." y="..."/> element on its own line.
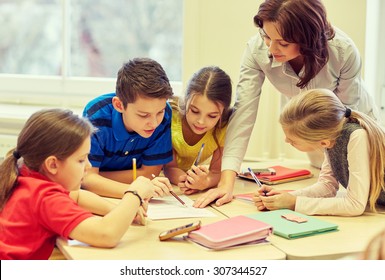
<point x="216" y="32"/>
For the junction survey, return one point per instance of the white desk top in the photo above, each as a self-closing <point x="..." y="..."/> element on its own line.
<point x="142" y="243"/>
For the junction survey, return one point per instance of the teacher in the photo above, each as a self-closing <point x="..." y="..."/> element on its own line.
<point x="296" y="49"/>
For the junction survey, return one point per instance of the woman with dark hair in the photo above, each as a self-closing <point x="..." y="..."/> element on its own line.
<point x="297" y="49"/>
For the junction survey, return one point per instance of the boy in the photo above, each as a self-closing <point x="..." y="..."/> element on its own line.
<point x="132" y="123"/>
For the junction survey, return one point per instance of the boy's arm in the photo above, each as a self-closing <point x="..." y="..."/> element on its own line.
<point x="126" y="176"/>
<point x="92" y="202"/>
<point x="103" y="186"/>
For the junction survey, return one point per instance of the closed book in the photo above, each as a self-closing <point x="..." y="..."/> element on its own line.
<point x="291" y="229"/>
<point x="282" y="175"/>
<point x="230" y="232"/>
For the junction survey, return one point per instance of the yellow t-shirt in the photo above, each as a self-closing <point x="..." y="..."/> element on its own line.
<point x="186" y="154"/>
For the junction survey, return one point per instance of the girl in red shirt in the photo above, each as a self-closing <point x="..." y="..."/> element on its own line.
<point x="40" y="196"/>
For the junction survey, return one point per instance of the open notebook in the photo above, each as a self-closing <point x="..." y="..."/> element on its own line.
<point x="291" y="229"/>
<point x="283" y="175"/>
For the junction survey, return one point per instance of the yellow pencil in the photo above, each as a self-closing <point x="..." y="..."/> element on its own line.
<point x="133" y="169"/>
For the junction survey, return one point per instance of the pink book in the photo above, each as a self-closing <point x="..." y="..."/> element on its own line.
<point x="230" y="232"/>
<point x="283" y="175"/>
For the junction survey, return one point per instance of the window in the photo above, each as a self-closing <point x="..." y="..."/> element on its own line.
<point x="74" y="47"/>
<point x="374" y="56"/>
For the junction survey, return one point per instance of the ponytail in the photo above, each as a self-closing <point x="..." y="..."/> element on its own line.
<point x="9" y="173"/>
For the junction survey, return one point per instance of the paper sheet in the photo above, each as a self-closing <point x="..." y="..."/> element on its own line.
<point x="169" y="208"/>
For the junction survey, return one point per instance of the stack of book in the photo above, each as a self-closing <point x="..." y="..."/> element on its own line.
<point x="235" y="231"/>
<point x="282" y="175"/>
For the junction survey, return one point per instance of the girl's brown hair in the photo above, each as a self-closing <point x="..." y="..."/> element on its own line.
<point x="47" y="132"/>
<point x="215" y="84"/>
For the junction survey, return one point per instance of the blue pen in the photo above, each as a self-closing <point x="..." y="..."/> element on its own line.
<point x="254" y="177"/>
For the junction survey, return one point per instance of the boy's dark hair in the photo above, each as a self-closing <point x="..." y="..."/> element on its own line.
<point x="144" y="77"/>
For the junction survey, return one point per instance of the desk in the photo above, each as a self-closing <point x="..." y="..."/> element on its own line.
<point x="352" y="237"/>
<point x="142" y="243"/>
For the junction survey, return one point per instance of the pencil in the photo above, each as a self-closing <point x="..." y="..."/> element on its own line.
<point x="134" y="169"/>
<point x="254" y="177"/>
<point x="174" y="195"/>
<point x="178" y="198"/>
<point x="199" y="155"/>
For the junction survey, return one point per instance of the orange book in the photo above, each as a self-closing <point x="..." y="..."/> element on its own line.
<point x="283" y="175"/>
<point x="230" y="232"/>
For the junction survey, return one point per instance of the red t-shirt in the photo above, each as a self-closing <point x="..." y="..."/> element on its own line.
<point x="37" y="212"/>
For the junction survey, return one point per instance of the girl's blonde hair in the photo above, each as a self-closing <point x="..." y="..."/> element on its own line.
<point x="318" y="114"/>
<point x="47" y="132"/>
<point x="375" y="250"/>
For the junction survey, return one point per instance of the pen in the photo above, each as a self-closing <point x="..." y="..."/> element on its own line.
<point x="199" y="155"/>
<point x="134" y="169"/>
<point x="254" y="177"/>
<point x="174" y="195"/>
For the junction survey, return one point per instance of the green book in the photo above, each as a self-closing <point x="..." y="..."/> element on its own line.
<point x="293" y="229"/>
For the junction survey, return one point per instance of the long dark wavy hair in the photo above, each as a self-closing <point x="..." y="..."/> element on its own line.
<point x="303" y="22"/>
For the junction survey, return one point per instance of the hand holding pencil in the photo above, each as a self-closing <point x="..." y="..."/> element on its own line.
<point x="163" y="186"/>
<point x="196" y="178"/>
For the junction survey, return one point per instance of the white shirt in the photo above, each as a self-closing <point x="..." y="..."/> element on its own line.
<point x="321" y="199"/>
<point x="342" y="75"/>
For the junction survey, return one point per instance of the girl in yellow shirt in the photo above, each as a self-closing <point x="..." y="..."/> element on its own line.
<point x="201" y="118"/>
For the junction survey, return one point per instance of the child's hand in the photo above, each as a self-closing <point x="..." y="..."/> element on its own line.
<point x="258" y="201"/>
<point x="162" y="186"/>
<point x="141" y="215"/>
<point x="144" y="187"/>
<point x="182" y="185"/>
<point x="197" y="177"/>
<point x="262" y="191"/>
<point x="279" y="201"/>
<point x="186" y="190"/>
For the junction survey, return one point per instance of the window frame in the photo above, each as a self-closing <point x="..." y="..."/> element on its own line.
<point x="60" y="90"/>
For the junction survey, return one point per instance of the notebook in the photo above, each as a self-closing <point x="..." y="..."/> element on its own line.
<point x="283" y="175"/>
<point x="292" y="229"/>
<point x="230" y="232"/>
